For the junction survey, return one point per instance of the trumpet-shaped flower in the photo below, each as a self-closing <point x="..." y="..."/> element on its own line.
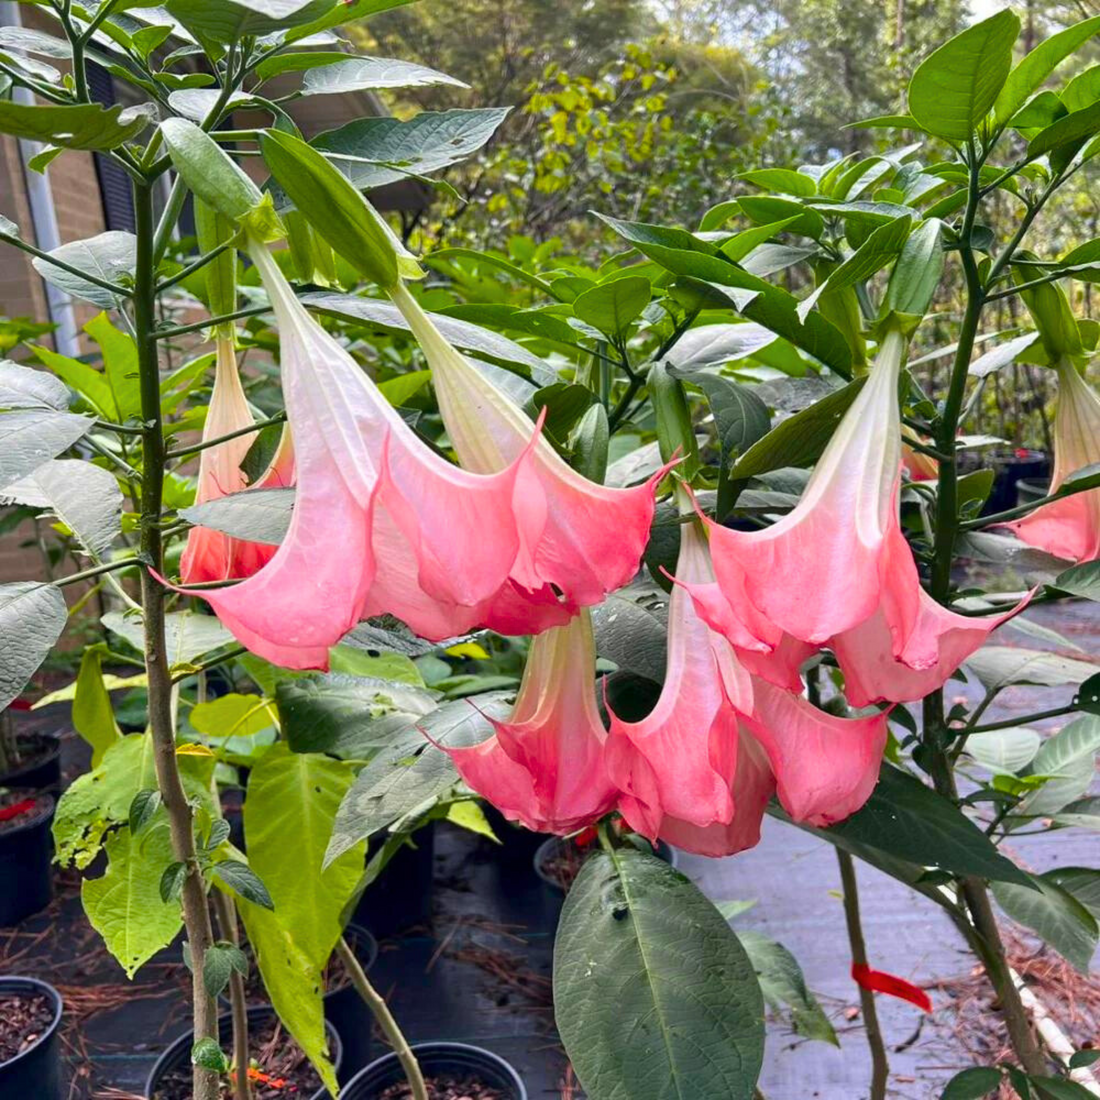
<point x="1070" y="528"/>
<point x="209" y="554"/>
<point x="590" y="538"/>
<point x="544" y="767"/>
<point x="699" y="770"/>
<point x="380" y="523"/>
<point x="838" y="571"/>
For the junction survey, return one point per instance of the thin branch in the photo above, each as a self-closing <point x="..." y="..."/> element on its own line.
<point x="95" y="571"/>
<point x="194" y="266"/>
<point x="95" y="280"/>
<point x="179" y="452"/>
<point x="212" y="322"/>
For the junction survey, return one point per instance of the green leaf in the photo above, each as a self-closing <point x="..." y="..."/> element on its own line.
<point x="717" y="345"/>
<point x="32" y="617"/>
<point x="1088" y="695"/>
<point x="1030" y="73"/>
<point x="208" y="170"/>
<point x="589" y="442"/>
<point x="998" y="666"/>
<point x="972" y="1084"/>
<point x="654" y="996"/>
<point x="908" y="820"/>
<point x="1058" y="1088"/>
<point x="767" y="210"/>
<point x="740" y="417"/>
<point x="1004" y="751"/>
<point x="120" y="365"/>
<point x="398" y="391"/>
<point x="189" y="635"/>
<point x="1084" y="1058"/>
<point x="1070" y="758"/>
<point x="196" y="103"/>
<point x="22" y="387"/>
<point x="1001" y="355"/>
<point x="780" y="179"/>
<point x="916" y="275"/>
<point x="85" y="498"/>
<point x="219" y="23"/>
<point x="1054" y="915"/>
<point x="631" y="628"/>
<point x="358" y="74"/>
<point x="1068" y="133"/>
<point x="29" y="437"/>
<point x="297" y="62"/>
<point x="102" y="797"/>
<point x="373" y="152"/>
<point x="233" y="715"/>
<point x="333" y="206"/>
<point x="142" y="810"/>
<point x="208" y="1054"/>
<point x="401" y="783"/>
<point x="883" y="244"/>
<point x="257" y="515"/>
<point x="395" y="667"/>
<point x="243" y="881"/>
<point x="124" y="905"/>
<point x="111" y="256"/>
<point x="83" y="126"/>
<point x="800" y="439"/>
<point x="348" y="716"/>
<point x="93" y="716"/>
<point x="1080" y="580"/>
<point x="292" y="803"/>
<point x="614" y="306"/>
<point x="171" y="882"/>
<point x="340" y="12"/>
<point x="462" y="334"/>
<point x="218" y="965"/>
<point x="1082" y="882"/>
<point x="953" y="89"/>
<point x="784" y="986"/>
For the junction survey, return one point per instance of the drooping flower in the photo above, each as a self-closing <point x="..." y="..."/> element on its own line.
<point x="837" y="570"/>
<point x="918" y="465"/>
<point x="211" y="555"/>
<point x="592" y="537"/>
<point x="544" y="766"/>
<point x="878" y="981"/>
<point x="699" y="769"/>
<point x="1070" y="528"/>
<point x="380" y="521"/>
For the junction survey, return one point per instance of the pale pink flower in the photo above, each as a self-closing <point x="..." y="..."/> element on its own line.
<point x="1070" y="528"/>
<point x="210" y="555"/>
<point x="837" y="570"/>
<point x="698" y="771"/>
<point x="544" y="766"/>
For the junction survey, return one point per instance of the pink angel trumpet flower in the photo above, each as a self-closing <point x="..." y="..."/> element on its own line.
<point x="1070" y="528"/>
<point x="699" y="770"/>
<point x="593" y="537"/>
<point x="837" y="570"/>
<point x="544" y="766"/>
<point x="367" y="488"/>
<point x="211" y="555"/>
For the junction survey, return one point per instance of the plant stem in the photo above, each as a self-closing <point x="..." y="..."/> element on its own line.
<point x="880" y="1065"/>
<point x="179" y="452"/>
<point x="196" y="913"/>
<point x="210" y="322"/>
<point x="377" y="1004"/>
<point x="227" y="923"/>
<point x="107" y="567"/>
<point x="1008" y="723"/>
<point x="95" y="280"/>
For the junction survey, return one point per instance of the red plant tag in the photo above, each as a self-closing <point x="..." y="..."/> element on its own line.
<point x="880" y="982"/>
<point x="266" y="1079"/>
<point x="19" y="704"/>
<point x="16" y="808"/>
<point x="586" y="837"/>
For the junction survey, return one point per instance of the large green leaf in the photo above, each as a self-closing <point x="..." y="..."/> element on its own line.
<point x="917" y="273"/>
<point x="219" y="23"/>
<point x="954" y="87"/>
<point x="1063" y="138"/>
<point x="93" y="715"/>
<point x="32" y="617"/>
<point x="373" y="152"/>
<point x="258" y="515"/>
<point x="1070" y="758"/>
<point x="740" y="417"/>
<point x="784" y="986"/>
<point x="1081" y="580"/>
<point x="1054" y="915"/>
<point x="399" y="783"/>
<point x="1082" y="882"/>
<point x="614" y="306"/>
<point x="800" y="439"/>
<point x="998" y="666"/>
<point x="291" y="806"/>
<point x="189" y="635"/>
<point x="101" y="798"/>
<point x="631" y="628"/>
<point x="85" y="498"/>
<point x="908" y="820"/>
<point x="83" y="126"/>
<point x="29" y="437"/>
<point x="1030" y="73"/>
<point x="654" y="996"/>
<point x="349" y="716"/>
<point x="110" y="256"/>
<point x="23" y="387"/>
<point x="462" y="334"/>
<point x="338" y="13"/>
<point x="124" y="905"/>
<point x="1004" y="751"/>
<point x="716" y="345"/>
<point x="358" y="74"/>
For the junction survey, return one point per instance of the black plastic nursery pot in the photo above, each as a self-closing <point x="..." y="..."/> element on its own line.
<point x="455" y="1060"/>
<point x="344" y="1007"/>
<point x="553" y="849"/>
<point x="1011" y="468"/>
<point x="26" y="847"/>
<point x="401" y="897"/>
<point x="35" y="1072"/>
<point x="40" y="763"/>
<point x="518" y="844"/>
<point x="1031" y="489"/>
<point x="178" y="1054"/>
